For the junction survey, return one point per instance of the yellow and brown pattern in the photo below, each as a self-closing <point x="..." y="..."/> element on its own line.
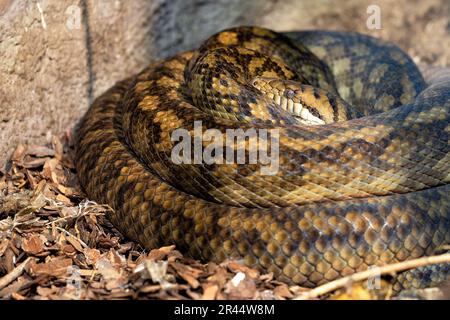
<point x="368" y="187"/>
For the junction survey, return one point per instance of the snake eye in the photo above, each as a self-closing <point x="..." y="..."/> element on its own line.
<point x="223" y="82"/>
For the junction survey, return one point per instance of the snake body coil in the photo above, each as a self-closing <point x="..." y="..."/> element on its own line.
<point x="368" y="186"/>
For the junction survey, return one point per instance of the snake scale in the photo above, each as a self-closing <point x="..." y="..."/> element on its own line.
<point x="364" y="155"/>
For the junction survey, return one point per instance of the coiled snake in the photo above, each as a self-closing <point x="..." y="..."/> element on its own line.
<point x="363" y="165"/>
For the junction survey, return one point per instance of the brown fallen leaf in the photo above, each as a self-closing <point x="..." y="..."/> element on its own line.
<point x="47" y="292"/>
<point x="31" y="179"/>
<point x="3" y="245"/>
<point x="54" y="266"/>
<point x="63" y="199"/>
<point x="239" y="267"/>
<point x="161" y="253"/>
<point x="33" y="244"/>
<point x="49" y="171"/>
<point x="68" y="191"/>
<point x="189" y="274"/>
<point x="18" y="154"/>
<point x="219" y="276"/>
<point x="58" y="147"/>
<point x="209" y="291"/>
<point x="92" y="255"/>
<point x="33" y="163"/>
<point x="150" y="288"/>
<point x="68" y="250"/>
<point x="282" y="292"/>
<point x="17" y="296"/>
<point x="40" y="151"/>
<point x="75" y="242"/>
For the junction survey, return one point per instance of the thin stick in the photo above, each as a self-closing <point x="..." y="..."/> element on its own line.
<point x="14" y="274"/>
<point x="391" y="268"/>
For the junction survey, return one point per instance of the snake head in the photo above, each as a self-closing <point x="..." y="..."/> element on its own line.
<point x="310" y="105"/>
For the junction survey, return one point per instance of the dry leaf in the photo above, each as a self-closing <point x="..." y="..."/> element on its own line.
<point x="32" y="163"/>
<point x="92" y="255"/>
<point x="33" y="244"/>
<point x="238" y="267"/>
<point x="189" y="274"/>
<point x="3" y="245"/>
<point x="56" y="266"/>
<point x="40" y="151"/>
<point x="18" y="154"/>
<point x="210" y="291"/>
<point x="282" y="292"/>
<point x="161" y="253"/>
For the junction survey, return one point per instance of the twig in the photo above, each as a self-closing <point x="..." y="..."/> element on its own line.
<point x="14" y="274"/>
<point x="392" y="268"/>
